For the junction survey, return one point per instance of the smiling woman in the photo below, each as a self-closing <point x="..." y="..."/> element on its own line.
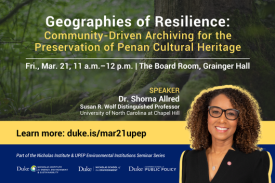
<point x="225" y="126"/>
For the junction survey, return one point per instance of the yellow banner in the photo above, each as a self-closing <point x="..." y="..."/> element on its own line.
<point x="106" y="132"/>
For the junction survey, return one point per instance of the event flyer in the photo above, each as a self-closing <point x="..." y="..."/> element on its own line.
<point x="116" y="90"/>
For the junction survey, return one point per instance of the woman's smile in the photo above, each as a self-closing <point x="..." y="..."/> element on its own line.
<point x="221" y="129"/>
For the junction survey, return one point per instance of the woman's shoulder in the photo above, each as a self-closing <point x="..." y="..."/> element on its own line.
<point x="259" y="154"/>
<point x="258" y="158"/>
<point x="262" y="166"/>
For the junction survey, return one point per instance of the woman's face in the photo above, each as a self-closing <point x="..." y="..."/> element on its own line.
<point x="221" y="128"/>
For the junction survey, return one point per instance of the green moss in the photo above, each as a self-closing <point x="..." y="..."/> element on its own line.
<point x="58" y="105"/>
<point x="143" y="78"/>
<point x="122" y="88"/>
<point x="95" y="97"/>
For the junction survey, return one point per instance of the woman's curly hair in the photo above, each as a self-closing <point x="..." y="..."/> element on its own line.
<point x="248" y="126"/>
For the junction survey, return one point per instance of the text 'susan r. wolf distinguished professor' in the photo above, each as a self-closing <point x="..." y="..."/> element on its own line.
<point x="225" y="125"/>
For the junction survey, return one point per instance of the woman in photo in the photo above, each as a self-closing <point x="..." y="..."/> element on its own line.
<point x="225" y="125"/>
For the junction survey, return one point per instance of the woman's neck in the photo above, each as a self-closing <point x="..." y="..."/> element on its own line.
<point x="220" y="146"/>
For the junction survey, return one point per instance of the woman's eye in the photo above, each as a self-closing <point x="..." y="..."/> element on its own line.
<point x="231" y="114"/>
<point x="216" y="112"/>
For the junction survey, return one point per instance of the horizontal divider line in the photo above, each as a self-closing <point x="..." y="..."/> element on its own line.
<point x="143" y="58"/>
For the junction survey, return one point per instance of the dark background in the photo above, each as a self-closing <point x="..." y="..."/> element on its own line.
<point x="172" y="158"/>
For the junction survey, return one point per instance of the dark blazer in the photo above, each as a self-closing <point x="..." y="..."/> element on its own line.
<point x="255" y="167"/>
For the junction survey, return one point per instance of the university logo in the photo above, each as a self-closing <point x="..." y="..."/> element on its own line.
<point x="135" y="169"/>
<point x="86" y="169"/>
<point x="33" y="168"/>
<point x="23" y="169"/>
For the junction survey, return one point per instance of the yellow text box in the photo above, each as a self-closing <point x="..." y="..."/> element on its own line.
<point x="157" y="132"/>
